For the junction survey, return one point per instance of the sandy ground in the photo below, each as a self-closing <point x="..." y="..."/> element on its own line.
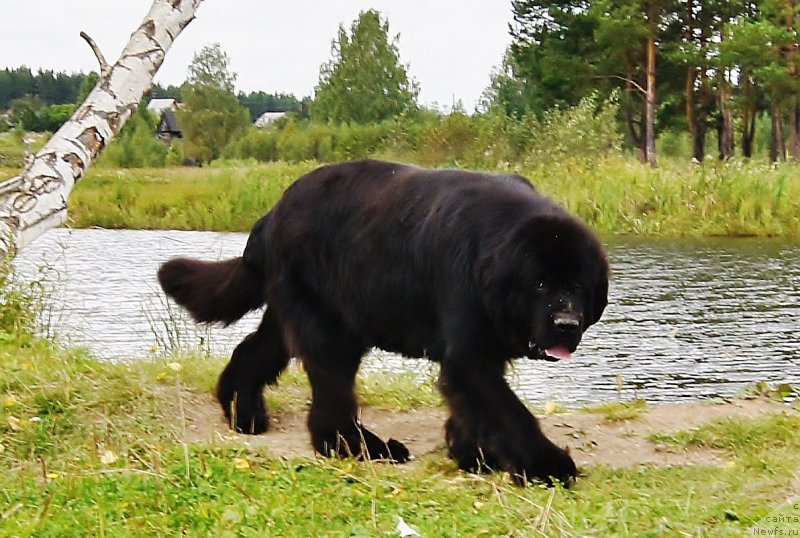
<point x="591" y="438"/>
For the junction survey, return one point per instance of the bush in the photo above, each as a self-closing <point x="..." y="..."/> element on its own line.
<point x="136" y="146"/>
<point x="175" y="154"/>
<point x="491" y="140"/>
<point x="585" y="131"/>
<point x="449" y="140"/>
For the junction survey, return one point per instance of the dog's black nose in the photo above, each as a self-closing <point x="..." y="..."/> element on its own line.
<point x="566" y="321"/>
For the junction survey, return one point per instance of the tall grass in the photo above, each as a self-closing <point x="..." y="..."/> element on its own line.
<point x="614" y="194"/>
<point x="226" y="197"/>
<point x="12" y="148"/>
<point x="25" y="309"/>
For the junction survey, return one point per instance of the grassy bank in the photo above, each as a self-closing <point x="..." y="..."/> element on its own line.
<point x="614" y="195"/>
<point x="97" y="448"/>
<point x="94" y="448"/>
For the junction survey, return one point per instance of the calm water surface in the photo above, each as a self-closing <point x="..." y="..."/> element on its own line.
<point x="686" y="319"/>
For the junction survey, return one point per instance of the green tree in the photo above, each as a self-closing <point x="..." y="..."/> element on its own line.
<point x="553" y="56"/>
<point x="364" y="81"/>
<point x="26" y="113"/>
<point x="211" y="116"/>
<point x="53" y="117"/>
<point x="87" y="85"/>
<point x="259" y="102"/>
<point x="136" y="145"/>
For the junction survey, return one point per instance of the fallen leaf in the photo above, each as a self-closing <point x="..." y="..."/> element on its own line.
<point x="14" y="423"/>
<point x="241" y="464"/>
<point x="107" y="457"/>
<point x="404" y="529"/>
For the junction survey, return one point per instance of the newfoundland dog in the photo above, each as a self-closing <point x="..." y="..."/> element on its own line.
<point x="466" y="269"/>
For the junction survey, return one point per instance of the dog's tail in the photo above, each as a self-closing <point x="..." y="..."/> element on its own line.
<point x="221" y="291"/>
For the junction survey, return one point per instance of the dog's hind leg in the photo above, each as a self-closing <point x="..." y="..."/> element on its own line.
<point x="331" y="356"/>
<point x="333" y="420"/>
<point x="258" y="360"/>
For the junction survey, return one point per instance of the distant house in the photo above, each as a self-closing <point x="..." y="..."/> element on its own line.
<point x="268" y="117"/>
<point x="168" y="128"/>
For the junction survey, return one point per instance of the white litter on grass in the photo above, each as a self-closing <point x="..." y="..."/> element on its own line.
<point x="404" y="530"/>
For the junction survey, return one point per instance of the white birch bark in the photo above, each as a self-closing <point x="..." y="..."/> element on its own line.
<point x="36" y="200"/>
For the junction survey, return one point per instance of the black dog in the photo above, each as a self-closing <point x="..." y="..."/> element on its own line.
<point x="467" y="269"/>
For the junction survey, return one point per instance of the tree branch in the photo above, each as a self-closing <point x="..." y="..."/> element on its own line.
<point x="105" y="69"/>
<point x="629" y="81"/>
<point x="36" y="200"/>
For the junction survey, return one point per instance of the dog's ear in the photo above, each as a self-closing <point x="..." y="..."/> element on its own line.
<point x="598" y="273"/>
<point x="504" y="268"/>
<point x="599" y="300"/>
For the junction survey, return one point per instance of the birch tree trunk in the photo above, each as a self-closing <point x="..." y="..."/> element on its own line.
<point x="36" y="200"/>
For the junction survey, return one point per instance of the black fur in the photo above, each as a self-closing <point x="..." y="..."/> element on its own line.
<point x="470" y="270"/>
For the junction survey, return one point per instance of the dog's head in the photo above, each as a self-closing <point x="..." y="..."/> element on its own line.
<point x="546" y="284"/>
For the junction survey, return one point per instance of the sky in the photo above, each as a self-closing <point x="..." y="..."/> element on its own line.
<point x="450" y="46"/>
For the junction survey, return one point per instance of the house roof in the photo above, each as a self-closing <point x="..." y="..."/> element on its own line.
<point x="160" y="105"/>
<point x="169" y="124"/>
<point x="268" y="117"/>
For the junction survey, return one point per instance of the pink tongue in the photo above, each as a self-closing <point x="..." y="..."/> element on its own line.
<point x="558" y="352"/>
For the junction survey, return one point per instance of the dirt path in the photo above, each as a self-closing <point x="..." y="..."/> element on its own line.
<point x="592" y="439"/>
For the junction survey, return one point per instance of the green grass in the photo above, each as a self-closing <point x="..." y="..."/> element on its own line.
<point x="614" y="195"/>
<point x="96" y="448"/>
<point x="213" y="198"/>
<point x="12" y="150"/>
<point x="620" y="411"/>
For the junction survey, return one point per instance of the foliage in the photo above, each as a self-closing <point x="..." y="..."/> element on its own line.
<point x="29" y="114"/>
<point x="210" y="68"/>
<point x="87" y="85"/>
<point x="47" y="86"/>
<point x="550" y="61"/>
<point x="211" y="116"/>
<point x="296" y="141"/>
<point x="157" y="91"/>
<point x="488" y="140"/>
<point x="585" y="131"/>
<point x="54" y="116"/>
<point x="259" y="102"/>
<point x="20" y="303"/>
<point x="718" y="65"/>
<point x="136" y="145"/>
<point x="364" y="82"/>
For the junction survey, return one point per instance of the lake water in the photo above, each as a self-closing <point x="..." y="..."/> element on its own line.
<point x="686" y="319"/>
